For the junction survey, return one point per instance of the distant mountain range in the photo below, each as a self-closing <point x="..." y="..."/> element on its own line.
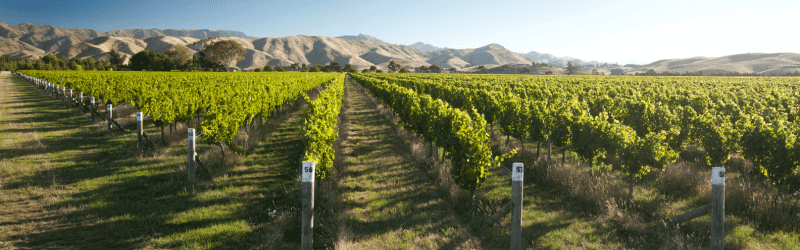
<point x="360" y="37"/>
<point x="361" y="51"/>
<point x="426" y="47"/>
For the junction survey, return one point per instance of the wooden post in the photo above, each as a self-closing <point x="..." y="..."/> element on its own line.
<point x="80" y="103"/>
<point x="307" y="233"/>
<point x="717" y="208"/>
<point x="109" y="108"/>
<point x="518" y="172"/>
<point x="191" y="164"/>
<point x="91" y="107"/>
<point x="69" y="100"/>
<point x="549" y="150"/>
<point x="139" y="128"/>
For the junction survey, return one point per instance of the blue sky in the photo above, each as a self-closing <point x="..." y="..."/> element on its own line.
<point x="611" y="31"/>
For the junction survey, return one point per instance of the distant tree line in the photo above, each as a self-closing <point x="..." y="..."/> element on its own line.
<point x="51" y="62"/>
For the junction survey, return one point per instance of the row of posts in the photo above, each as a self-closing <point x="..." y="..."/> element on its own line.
<point x="54" y="89"/>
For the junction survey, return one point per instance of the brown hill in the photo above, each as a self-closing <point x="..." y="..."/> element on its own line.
<point x="743" y="63"/>
<point x="57" y="40"/>
<point x="34" y="41"/>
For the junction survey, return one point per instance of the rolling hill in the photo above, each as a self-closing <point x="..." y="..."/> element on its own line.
<point x="762" y="63"/>
<point x="362" y="51"/>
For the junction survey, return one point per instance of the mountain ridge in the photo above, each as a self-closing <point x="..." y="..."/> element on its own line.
<point x="362" y="51"/>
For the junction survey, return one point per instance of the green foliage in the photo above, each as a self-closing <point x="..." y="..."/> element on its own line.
<point x="228" y="101"/>
<point x="224" y="52"/>
<point x="147" y="60"/>
<point x="268" y="68"/>
<point x="320" y="131"/>
<point x="772" y="148"/>
<point x="462" y="134"/>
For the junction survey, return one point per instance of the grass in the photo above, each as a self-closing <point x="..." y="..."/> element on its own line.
<point x="386" y="199"/>
<point x="67" y="184"/>
<point x="572" y="207"/>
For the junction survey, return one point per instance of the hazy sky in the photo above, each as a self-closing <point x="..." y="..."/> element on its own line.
<point x="611" y="31"/>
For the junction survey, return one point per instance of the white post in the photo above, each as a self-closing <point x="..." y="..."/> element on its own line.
<point x="139" y="128"/>
<point x="517" y="175"/>
<point x="191" y="164"/>
<point x="80" y="103"/>
<point x="307" y="233"/>
<point x="108" y="111"/>
<point x="69" y="100"/>
<point x="91" y="107"/>
<point x="63" y="94"/>
<point x="717" y="208"/>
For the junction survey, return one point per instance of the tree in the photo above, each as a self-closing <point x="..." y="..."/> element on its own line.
<point x="365" y="71"/>
<point x="617" y="71"/>
<point x="423" y="69"/>
<point x="225" y="52"/>
<point x="268" y="68"/>
<point x="90" y="64"/>
<point x="572" y="68"/>
<point x="378" y="71"/>
<point x="352" y="70"/>
<point x="257" y="70"/>
<point x="373" y="68"/>
<point x="295" y="66"/>
<point x="404" y="70"/>
<point x="394" y="67"/>
<point x="200" y="45"/>
<point x="334" y="66"/>
<point x="549" y="72"/>
<point x="51" y="59"/>
<point x="281" y="69"/>
<point x="436" y="69"/>
<point x="180" y="55"/>
<point x="116" y="58"/>
<point x="147" y="60"/>
<point x="650" y="72"/>
<point x="482" y="69"/>
<point x="453" y="70"/>
<point x="347" y="67"/>
<point x="595" y="72"/>
<point x="314" y="69"/>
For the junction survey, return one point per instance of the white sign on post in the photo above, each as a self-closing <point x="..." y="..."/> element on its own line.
<point x="91" y="100"/>
<point x="718" y="176"/>
<point x="517" y="171"/>
<point x="138" y="116"/>
<point x="308" y="171"/>
<point x="108" y="106"/>
<point x="191" y="134"/>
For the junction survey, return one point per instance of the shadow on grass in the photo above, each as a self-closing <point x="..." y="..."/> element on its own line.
<point x="118" y="200"/>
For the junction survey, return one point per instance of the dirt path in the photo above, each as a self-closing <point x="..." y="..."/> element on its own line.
<point x="389" y="200"/>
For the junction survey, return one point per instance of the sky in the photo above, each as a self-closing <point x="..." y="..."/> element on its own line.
<point x="606" y="31"/>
